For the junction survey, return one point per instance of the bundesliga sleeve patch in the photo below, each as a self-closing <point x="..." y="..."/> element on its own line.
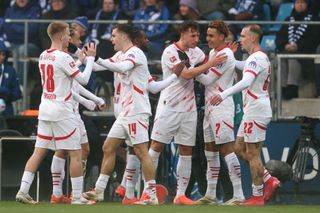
<point x="252" y="64"/>
<point x="72" y="64"/>
<point x="131" y="56"/>
<point x="173" y="59"/>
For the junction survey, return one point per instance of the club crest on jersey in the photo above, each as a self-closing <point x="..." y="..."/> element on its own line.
<point x="131" y="56"/>
<point x="72" y="64"/>
<point x="253" y="64"/>
<point x="219" y="66"/>
<point x="173" y="59"/>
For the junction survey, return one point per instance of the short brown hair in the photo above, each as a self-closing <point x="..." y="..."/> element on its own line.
<point x="220" y="26"/>
<point x="56" y="27"/>
<point x="256" y="29"/>
<point x="185" y="26"/>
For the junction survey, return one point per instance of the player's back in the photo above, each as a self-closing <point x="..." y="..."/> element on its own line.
<point x="57" y="69"/>
<point x="256" y="97"/>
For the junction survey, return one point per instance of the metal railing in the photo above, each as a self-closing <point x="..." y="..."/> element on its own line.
<point x="202" y="22"/>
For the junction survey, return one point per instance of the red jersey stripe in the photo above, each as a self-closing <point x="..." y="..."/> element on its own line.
<point x="251" y="94"/>
<point x="75" y="73"/>
<point x="143" y="125"/>
<point x="137" y="89"/>
<point x="228" y="125"/>
<point x="215" y="71"/>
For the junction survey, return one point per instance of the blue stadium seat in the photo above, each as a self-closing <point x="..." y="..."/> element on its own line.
<point x="268" y="43"/>
<point x="266" y="16"/>
<point x="284" y="11"/>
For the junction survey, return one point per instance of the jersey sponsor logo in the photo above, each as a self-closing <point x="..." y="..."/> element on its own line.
<point x="253" y="64"/>
<point x="72" y="64"/>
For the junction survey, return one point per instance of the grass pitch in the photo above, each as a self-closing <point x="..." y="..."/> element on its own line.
<point x="105" y="207"/>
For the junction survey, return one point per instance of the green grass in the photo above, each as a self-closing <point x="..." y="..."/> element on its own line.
<point x="104" y="207"/>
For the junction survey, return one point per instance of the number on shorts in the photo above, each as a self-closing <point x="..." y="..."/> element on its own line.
<point x="47" y="77"/>
<point x="248" y="127"/>
<point x="217" y="128"/>
<point x="132" y="129"/>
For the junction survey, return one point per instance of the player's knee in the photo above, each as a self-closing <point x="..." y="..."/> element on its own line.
<point x="157" y="146"/>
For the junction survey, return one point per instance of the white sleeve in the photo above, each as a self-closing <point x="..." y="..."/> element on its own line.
<point x="207" y="79"/>
<point x="83" y="77"/>
<point x="156" y="86"/>
<point x="240" y="64"/>
<point x="121" y="67"/>
<point x="90" y="105"/>
<point x="245" y="82"/>
<point x="84" y="92"/>
<point x="78" y="63"/>
<point x="97" y="67"/>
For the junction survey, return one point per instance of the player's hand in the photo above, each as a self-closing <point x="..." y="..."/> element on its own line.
<point x="90" y="105"/>
<point x="177" y="69"/>
<point x="218" y="59"/>
<point x="82" y="56"/>
<point x="233" y="45"/>
<point x="216" y="100"/>
<point x="90" y="49"/>
<point x="103" y="107"/>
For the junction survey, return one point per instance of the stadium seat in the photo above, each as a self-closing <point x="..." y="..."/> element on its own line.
<point x="268" y="43"/>
<point x="284" y="11"/>
<point x="266" y="16"/>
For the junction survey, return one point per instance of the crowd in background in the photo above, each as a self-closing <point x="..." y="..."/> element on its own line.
<point x="159" y="35"/>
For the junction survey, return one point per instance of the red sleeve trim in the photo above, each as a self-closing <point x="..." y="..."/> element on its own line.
<point x="251" y="71"/>
<point x="111" y="60"/>
<point x="75" y="73"/>
<point x="128" y="59"/>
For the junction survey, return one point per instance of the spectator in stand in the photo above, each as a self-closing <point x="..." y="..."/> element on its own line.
<point x="301" y="39"/>
<point x="245" y="10"/>
<point x="129" y="7"/>
<point x="9" y="83"/>
<point x="22" y="9"/>
<point x="80" y="24"/>
<point x="60" y="10"/>
<point x="101" y="33"/>
<point x="4" y="4"/>
<point x="216" y="9"/>
<point x="154" y="10"/>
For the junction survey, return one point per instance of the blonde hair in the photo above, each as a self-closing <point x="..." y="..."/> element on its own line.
<point x="220" y="26"/>
<point x="55" y="28"/>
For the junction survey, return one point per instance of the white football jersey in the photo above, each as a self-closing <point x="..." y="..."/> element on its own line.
<point x="133" y="89"/>
<point x="226" y="74"/>
<point x="179" y="96"/>
<point x="256" y="100"/>
<point x="57" y="70"/>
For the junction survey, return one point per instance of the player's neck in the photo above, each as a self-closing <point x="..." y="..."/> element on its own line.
<point x="255" y="48"/>
<point x="126" y="46"/>
<point x="182" y="45"/>
<point x="56" y="45"/>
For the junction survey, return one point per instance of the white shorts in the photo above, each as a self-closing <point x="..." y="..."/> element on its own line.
<point x="59" y="135"/>
<point x="218" y="129"/>
<point x="83" y="132"/>
<point x="253" y="129"/>
<point x="135" y="128"/>
<point x="181" y="125"/>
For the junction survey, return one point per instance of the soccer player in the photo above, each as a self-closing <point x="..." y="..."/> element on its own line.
<point x="218" y="120"/>
<point x="133" y="121"/>
<point x="91" y="102"/>
<point x="176" y="112"/>
<point x="257" y="112"/>
<point x="58" y="128"/>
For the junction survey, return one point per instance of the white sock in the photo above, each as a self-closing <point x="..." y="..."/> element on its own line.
<point x="57" y="169"/>
<point x="102" y="182"/>
<point x="155" y="157"/>
<point x="77" y="186"/>
<point x="26" y="181"/>
<point x="213" y="169"/>
<point x="257" y="190"/>
<point x="150" y="188"/>
<point x="266" y="175"/>
<point x="183" y="174"/>
<point x="131" y="170"/>
<point x="235" y="174"/>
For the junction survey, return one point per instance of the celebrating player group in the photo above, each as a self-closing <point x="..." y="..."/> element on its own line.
<point x="61" y="129"/>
